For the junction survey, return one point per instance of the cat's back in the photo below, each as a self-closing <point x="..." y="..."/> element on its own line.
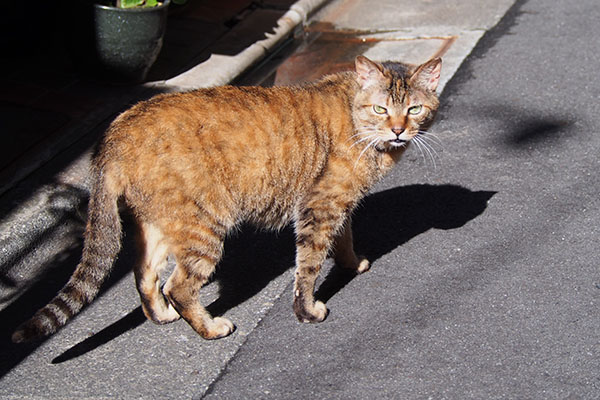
<point x="228" y="119"/>
<point x="259" y="142"/>
<point x="230" y="114"/>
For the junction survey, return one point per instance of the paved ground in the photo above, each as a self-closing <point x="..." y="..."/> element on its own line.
<point x="485" y="280"/>
<point x="494" y="290"/>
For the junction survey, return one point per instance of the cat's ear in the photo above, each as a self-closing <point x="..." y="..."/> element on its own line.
<point x="368" y="72"/>
<point x="428" y="75"/>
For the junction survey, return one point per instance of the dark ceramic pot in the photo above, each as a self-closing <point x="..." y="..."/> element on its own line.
<point x="129" y="40"/>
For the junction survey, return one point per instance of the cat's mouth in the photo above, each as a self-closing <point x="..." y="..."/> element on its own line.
<point x="388" y="144"/>
<point x="395" y="143"/>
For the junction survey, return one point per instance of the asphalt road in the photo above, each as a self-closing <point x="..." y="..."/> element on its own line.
<point x="486" y="280"/>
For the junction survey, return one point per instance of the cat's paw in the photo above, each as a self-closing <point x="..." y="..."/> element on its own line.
<point x="358" y="265"/>
<point x="161" y="315"/>
<point x="219" y="327"/>
<point x="363" y="266"/>
<point x="320" y="311"/>
<point x="168" y="315"/>
<point x="317" y="313"/>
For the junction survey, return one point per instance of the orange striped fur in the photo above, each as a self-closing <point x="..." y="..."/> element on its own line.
<point x="192" y="166"/>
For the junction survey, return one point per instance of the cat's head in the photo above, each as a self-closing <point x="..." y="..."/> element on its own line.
<point x="395" y="102"/>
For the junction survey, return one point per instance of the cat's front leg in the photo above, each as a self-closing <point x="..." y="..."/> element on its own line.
<point x="315" y="230"/>
<point x="344" y="254"/>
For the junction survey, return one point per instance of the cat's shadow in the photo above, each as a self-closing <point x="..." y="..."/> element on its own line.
<point x="384" y="221"/>
<point x="391" y="218"/>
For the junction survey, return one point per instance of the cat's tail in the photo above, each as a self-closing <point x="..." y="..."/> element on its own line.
<point x="102" y="242"/>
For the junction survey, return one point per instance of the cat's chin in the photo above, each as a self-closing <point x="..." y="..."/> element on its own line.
<point x="391" y="145"/>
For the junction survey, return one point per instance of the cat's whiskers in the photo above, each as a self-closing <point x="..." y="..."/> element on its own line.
<point x="425" y="153"/>
<point x="366" y="129"/>
<point x="363" y="130"/>
<point x="359" y="132"/>
<point x="422" y="144"/>
<point x="428" y="141"/>
<point x="432" y="137"/>
<point x="432" y="142"/>
<point x="371" y="143"/>
<point x="420" y="150"/>
<point x="365" y="138"/>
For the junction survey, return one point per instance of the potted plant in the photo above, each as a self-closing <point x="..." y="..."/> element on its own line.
<point x="128" y="36"/>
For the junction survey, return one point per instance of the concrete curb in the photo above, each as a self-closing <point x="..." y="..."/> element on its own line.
<point x="221" y="69"/>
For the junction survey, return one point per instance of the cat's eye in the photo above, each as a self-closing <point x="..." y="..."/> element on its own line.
<point x="379" y="109"/>
<point x="414" y="110"/>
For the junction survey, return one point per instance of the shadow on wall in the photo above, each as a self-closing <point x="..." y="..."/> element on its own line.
<point x="252" y="259"/>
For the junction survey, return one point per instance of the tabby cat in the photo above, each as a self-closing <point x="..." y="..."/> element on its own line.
<point x="191" y="166"/>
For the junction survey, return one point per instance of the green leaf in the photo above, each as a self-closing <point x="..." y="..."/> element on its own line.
<point x="131" y="3"/>
<point x="151" y="3"/>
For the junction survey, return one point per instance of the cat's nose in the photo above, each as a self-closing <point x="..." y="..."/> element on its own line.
<point x="398" y="130"/>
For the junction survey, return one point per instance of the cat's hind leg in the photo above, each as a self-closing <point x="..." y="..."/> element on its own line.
<point x="344" y="251"/>
<point x="153" y="251"/>
<point x="199" y="249"/>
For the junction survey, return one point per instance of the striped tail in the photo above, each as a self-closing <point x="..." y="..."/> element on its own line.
<point x="102" y="243"/>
